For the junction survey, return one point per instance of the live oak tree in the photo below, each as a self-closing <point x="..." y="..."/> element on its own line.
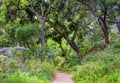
<point x="40" y="10"/>
<point x="99" y="10"/>
<point x="27" y="11"/>
<point x="69" y="19"/>
<point x="65" y="24"/>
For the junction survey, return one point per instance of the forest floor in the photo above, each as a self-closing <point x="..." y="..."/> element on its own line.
<point x="61" y="77"/>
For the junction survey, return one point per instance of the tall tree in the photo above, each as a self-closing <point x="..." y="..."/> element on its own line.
<point x="33" y="10"/>
<point x="99" y="10"/>
<point x="42" y="17"/>
<point x="65" y="24"/>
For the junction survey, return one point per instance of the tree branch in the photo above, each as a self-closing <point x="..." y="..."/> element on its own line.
<point x="75" y="33"/>
<point x="48" y="11"/>
<point x="36" y="13"/>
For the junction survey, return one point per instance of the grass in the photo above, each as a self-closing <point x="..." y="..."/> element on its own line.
<point x="101" y="67"/>
<point x="32" y="71"/>
<point x="23" y="77"/>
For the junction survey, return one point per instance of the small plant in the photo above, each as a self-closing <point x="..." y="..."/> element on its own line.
<point x="2" y="58"/>
<point x="3" y="67"/>
<point x="47" y="69"/>
<point x="116" y="47"/>
<point x="22" y="77"/>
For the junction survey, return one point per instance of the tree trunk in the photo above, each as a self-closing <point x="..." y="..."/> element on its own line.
<point x="63" y="51"/>
<point x="117" y="21"/>
<point x="106" y="33"/>
<point x="118" y="26"/>
<point x="104" y="27"/>
<point x="119" y="10"/>
<point x="75" y="48"/>
<point x="42" y="38"/>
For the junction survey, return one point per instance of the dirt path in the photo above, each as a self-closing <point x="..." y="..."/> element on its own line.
<point x="62" y="78"/>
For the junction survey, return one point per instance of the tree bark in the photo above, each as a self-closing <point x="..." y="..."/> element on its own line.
<point x="118" y="26"/>
<point x="106" y="34"/>
<point x="71" y="43"/>
<point x="75" y="48"/>
<point x="119" y="10"/>
<point x="104" y="27"/>
<point x="117" y="21"/>
<point x="64" y="53"/>
<point x="42" y="38"/>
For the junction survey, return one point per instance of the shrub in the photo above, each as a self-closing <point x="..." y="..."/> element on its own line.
<point x="52" y="50"/>
<point x="85" y="47"/>
<point x="91" y="71"/>
<point x="116" y="47"/>
<point x="2" y="58"/>
<point x="99" y="45"/>
<point x="12" y="65"/>
<point x="59" y="60"/>
<point x="22" y="77"/>
<point x="47" y="68"/>
<point x="101" y="68"/>
<point x="43" y="69"/>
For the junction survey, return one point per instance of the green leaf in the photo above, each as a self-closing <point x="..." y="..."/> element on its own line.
<point x="25" y="3"/>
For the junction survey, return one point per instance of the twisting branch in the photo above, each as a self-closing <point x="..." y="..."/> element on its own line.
<point x="105" y="13"/>
<point x="48" y="11"/>
<point x="41" y="7"/>
<point x="75" y="33"/>
<point x="36" y="13"/>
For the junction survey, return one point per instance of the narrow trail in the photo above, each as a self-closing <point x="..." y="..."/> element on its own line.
<point x="61" y="77"/>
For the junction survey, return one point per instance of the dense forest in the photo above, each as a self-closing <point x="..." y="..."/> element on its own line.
<point x="41" y="37"/>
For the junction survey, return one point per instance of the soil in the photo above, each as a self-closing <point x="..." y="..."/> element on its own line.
<point x="61" y="77"/>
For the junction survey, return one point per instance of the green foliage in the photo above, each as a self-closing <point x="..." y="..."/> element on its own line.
<point x="25" y="32"/>
<point x="59" y="61"/>
<point x="25" y="3"/>
<point x="65" y="19"/>
<point x="99" y="45"/>
<point x="4" y="41"/>
<point x="112" y="78"/>
<point x="103" y="67"/>
<point x="2" y="58"/>
<point x="13" y="65"/>
<point x="116" y="47"/>
<point x="43" y="70"/>
<point x="85" y="47"/>
<point x="34" y="68"/>
<point x="18" y="33"/>
<point x="52" y="50"/>
<point x="10" y="31"/>
<point x="25" y="54"/>
<point x="47" y="68"/>
<point x="2" y="63"/>
<point x="22" y="77"/>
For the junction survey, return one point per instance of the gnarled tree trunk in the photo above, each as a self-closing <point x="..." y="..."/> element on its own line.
<point x="42" y="38"/>
<point x="104" y="29"/>
<point x="117" y="21"/>
<point x="75" y="48"/>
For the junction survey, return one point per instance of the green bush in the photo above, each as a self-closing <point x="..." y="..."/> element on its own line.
<point x="2" y="58"/>
<point x="112" y="78"/>
<point x="22" y="77"/>
<point x="99" y="45"/>
<point x="104" y="67"/>
<point x="43" y="69"/>
<point x="59" y="60"/>
<point x="91" y="71"/>
<point x="52" y="50"/>
<point x="85" y="47"/>
<point x="47" y="68"/>
<point x="116" y="47"/>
